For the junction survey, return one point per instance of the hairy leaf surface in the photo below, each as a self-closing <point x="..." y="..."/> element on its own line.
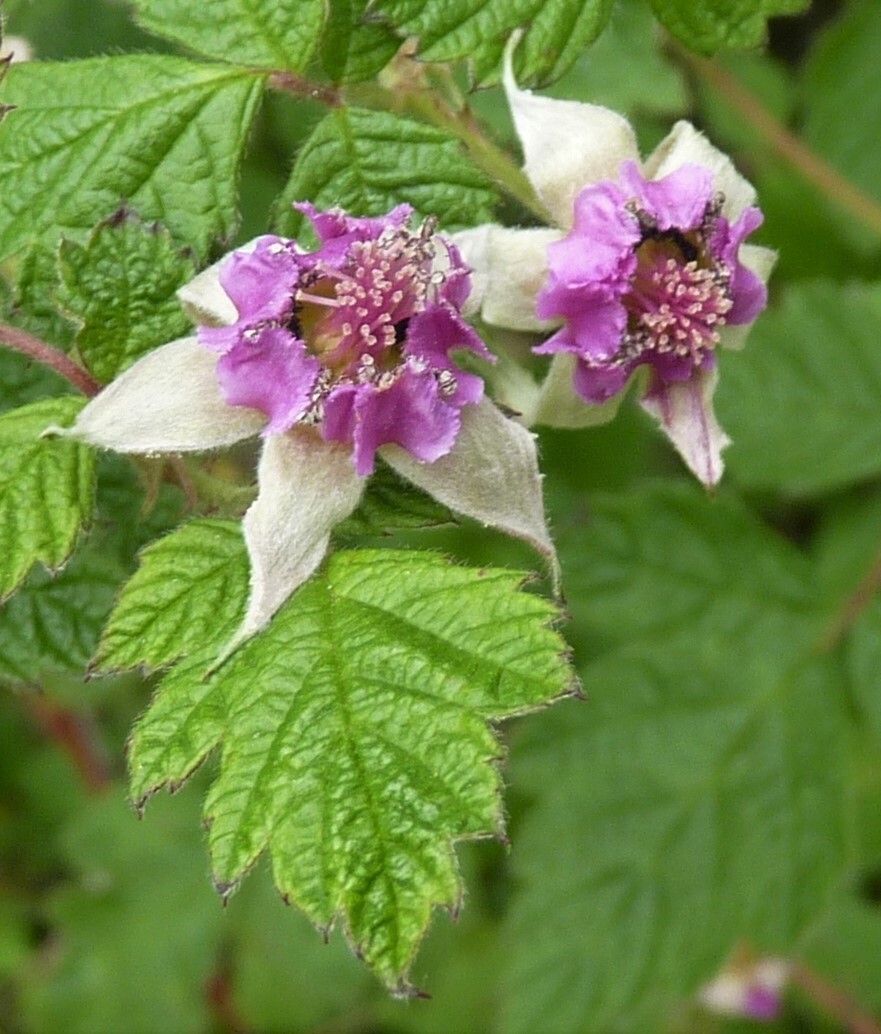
<point x="52" y="624"/>
<point x="120" y="287"/>
<point x="275" y="34"/>
<point x="355" y="739"/>
<point x="369" y="161"/>
<point x="188" y="589"/>
<point x="355" y="45"/>
<point x="46" y="489"/>
<point x="160" y="133"/>
<point x="558" y="31"/>
<point x="712" y="24"/>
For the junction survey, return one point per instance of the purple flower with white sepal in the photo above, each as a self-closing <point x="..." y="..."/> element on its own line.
<point x="333" y="356"/>
<point x="353" y="338"/>
<point x="646" y="269"/>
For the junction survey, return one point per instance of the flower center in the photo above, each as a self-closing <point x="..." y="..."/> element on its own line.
<point x="678" y="298"/>
<point x="355" y="318"/>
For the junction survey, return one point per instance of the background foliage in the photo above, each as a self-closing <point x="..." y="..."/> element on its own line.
<point x="720" y="787"/>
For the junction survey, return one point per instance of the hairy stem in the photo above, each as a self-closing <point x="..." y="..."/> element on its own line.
<point x="784" y="143"/>
<point x="49" y="356"/>
<point x="300" y="87"/>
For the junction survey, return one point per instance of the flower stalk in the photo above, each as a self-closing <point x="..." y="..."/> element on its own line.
<point x="49" y="356"/>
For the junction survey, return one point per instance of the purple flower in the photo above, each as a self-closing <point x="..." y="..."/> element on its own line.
<point x="752" y="988"/>
<point x="353" y="338"/>
<point x="333" y="356"/>
<point x="647" y="269"/>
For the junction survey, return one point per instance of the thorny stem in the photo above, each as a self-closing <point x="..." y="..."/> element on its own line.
<point x="48" y="355"/>
<point x="834" y="1002"/>
<point x="785" y="143"/>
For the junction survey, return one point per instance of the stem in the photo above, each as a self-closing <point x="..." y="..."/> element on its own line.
<point x="77" y="737"/>
<point x="47" y="355"/>
<point x="853" y="607"/>
<point x="785" y="143"/>
<point x="423" y="102"/>
<point x="835" y="1002"/>
<point x="300" y="87"/>
<point x="489" y="157"/>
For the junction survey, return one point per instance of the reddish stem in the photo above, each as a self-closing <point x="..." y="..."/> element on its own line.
<point x="49" y="356"/>
<point x="295" y="84"/>
<point x="835" y="1002"/>
<point x="786" y="144"/>
<point x="77" y="737"/>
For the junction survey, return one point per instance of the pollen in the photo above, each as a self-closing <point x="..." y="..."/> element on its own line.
<point x="675" y="305"/>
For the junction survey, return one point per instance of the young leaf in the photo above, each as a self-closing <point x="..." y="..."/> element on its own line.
<point x="801" y="401"/>
<point x="275" y="34"/>
<point x="355" y="739"/>
<point x="120" y="287"/>
<point x="704" y="797"/>
<point x="34" y="307"/>
<point x="47" y="492"/>
<point x="713" y="24"/>
<point x="369" y="161"/>
<point x="189" y="585"/>
<point x="478" y="30"/>
<point x="162" y="134"/>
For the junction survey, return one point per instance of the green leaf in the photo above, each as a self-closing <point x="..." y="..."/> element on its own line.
<point x="599" y="76"/>
<point x="188" y="591"/>
<point x="51" y="625"/>
<point x="136" y="932"/>
<point x="801" y="401"/>
<point x="34" y="308"/>
<point x="478" y="30"/>
<point x="275" y="34"/>
<point x="46" y="489"/>
<point x="120" y="288"/>
<point x="390" y="502"/>
<point x="355" y="739"/>
<point x="842" y="76"/>
<point x="162" y="134"/>
<point x="713" y="24"/>
<point x="702" y="797"/>
<point x="845" y="950"/>
<point x="369" y="161"/>
<point x="353" y="48"/>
